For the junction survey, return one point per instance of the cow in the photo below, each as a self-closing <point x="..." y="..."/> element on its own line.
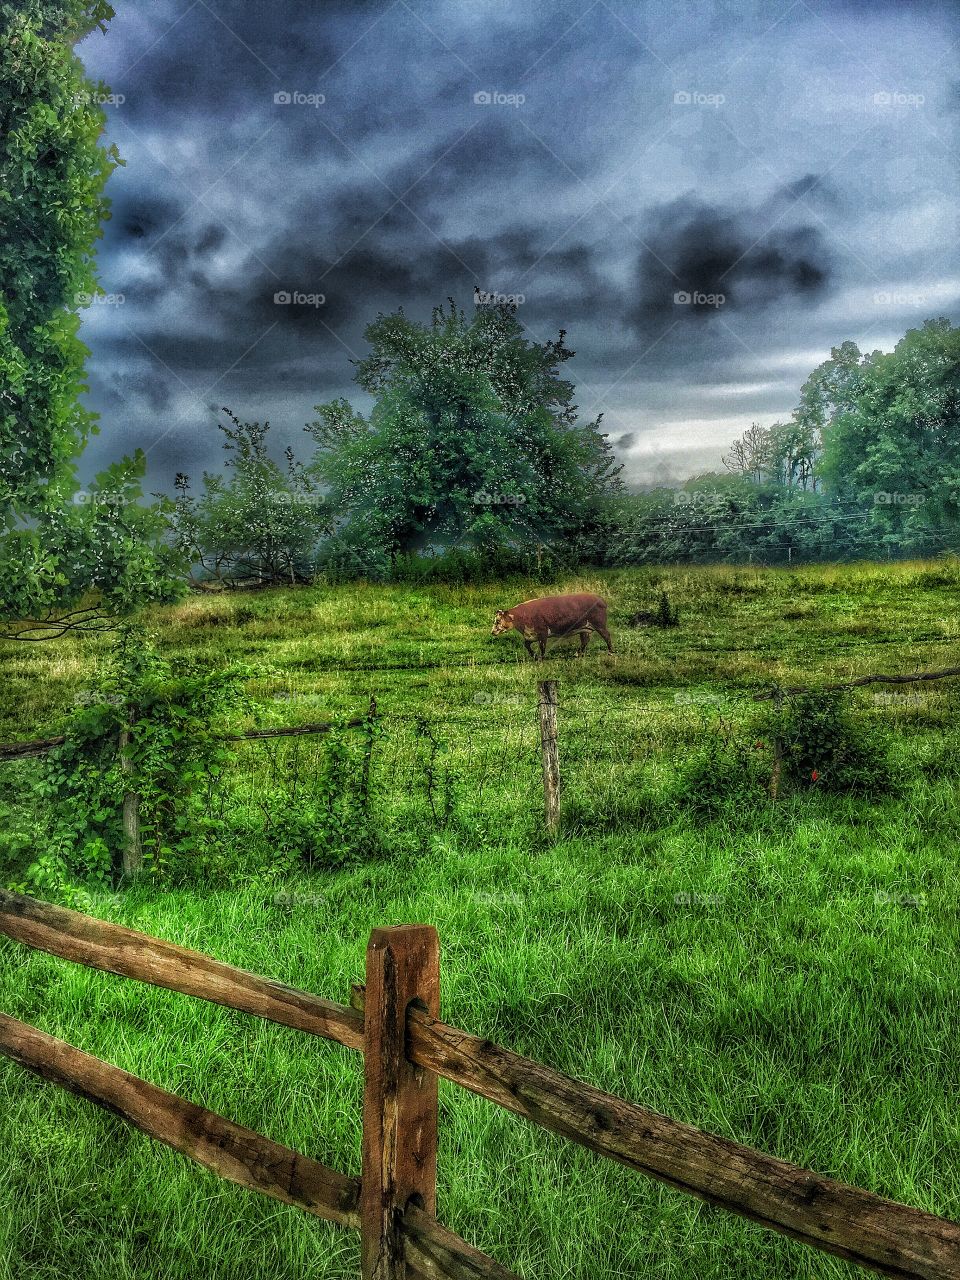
<point x="555" y="616"/>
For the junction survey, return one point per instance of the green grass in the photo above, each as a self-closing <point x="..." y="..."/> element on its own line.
<point x="783" y="976"/>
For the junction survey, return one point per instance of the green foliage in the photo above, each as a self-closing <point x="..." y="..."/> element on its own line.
<point x="176" y="750"/>
<point x="443" y="778"/>
<point x="724" y="777"/>
<point x="666" y="615"/>
<point x="825" y="745"/>
<point x="459" y="567"/>
<point x="330" y="824"/>
<point x="866" y="467"/>
<point x="54" y="551"/>
<point x="473" y="439"/>
<point x="260" y="523"/>
<point x="895" y="442"/>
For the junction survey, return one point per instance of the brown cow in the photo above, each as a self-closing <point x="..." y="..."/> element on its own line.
<point x="555" y="616"/>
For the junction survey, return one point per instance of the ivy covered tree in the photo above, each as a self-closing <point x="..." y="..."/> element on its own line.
<point x="68" y="558"/>
<point x="473" y="440"/>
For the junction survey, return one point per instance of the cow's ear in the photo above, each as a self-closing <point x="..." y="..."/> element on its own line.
<point x="498" y="614"/>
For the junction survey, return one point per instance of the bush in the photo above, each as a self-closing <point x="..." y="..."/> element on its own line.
<point x="725" y="775"/>
<point x="824" y="745"/>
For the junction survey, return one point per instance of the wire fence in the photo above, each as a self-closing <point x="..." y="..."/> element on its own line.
<point x="484" y="763"/>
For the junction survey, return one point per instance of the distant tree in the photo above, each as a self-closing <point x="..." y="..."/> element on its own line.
<point x="473" y="439"/>
<point x="751" y="456"/>
<point x="68" y="558"/>
<point x="834" y="386"/>
<point x="794" y="451"/>
<point x="893" y="439"/>
<point x="258" y="523"/>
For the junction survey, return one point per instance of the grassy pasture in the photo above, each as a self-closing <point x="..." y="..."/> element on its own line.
<point x="784" y="976"/>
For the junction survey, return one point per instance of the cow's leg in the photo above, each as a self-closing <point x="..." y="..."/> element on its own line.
<point x="584" y="641"/>
<point x="542" y="642"/>
<point x="601" y="630"/>
<point x="529" y="647"/>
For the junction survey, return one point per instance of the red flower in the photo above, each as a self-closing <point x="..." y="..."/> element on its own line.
<point x="814" y="776"/>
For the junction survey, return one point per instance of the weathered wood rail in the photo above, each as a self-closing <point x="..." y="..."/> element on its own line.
<point x="406" y="1048"/>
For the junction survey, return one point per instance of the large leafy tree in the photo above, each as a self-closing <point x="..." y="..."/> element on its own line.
<point x="895" y="443"/>
<point x="473" y="440"/>
<point x="68" y="557"/>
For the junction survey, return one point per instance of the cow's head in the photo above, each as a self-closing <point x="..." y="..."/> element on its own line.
<point x="502" y="621"/>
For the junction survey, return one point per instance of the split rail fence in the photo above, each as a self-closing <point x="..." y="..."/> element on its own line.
<point x="394" y="1022"/>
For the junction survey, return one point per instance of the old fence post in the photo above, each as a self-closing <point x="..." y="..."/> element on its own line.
<point x="548" y="747"/>
<point x="777" y="770"/>
<point x="399" y="1099"/>
<point x="132" y="847"/>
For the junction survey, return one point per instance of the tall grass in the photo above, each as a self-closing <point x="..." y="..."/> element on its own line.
<point x="783" y="975"/>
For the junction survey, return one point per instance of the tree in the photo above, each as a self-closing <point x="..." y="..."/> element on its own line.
<point x="794" y="451"/>
<point x="64" y="562"/>
<point x="751" y="456"/>
<point x="895" y="441"/>
<point x="473" y="439"/>
<point x="260" y="523"/>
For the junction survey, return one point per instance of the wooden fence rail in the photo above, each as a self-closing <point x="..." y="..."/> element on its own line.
<point x="406" y="1047"/>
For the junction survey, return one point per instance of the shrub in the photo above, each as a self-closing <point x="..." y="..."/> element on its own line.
<point x="824" y="745"/>
<point x="724" y="776"/>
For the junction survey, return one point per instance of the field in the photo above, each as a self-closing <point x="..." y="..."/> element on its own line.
<point x="783" y="974"/>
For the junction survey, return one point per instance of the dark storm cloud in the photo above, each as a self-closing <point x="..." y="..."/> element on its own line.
<point x="700" y="262"/>
<point x="597" y="198"/>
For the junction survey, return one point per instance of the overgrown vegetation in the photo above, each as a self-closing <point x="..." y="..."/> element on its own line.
<point x="69" y="556"/>
<point x="761" y="970"/>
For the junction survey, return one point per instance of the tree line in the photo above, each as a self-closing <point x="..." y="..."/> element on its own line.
<point x="474" y="460"/>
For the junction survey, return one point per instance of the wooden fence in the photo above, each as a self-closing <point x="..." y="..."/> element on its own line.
<point x="394" y="1021"/>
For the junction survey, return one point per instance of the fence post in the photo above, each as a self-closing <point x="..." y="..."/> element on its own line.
<point x="551" y="758"/>
<point x="132" y="847"/>
<point x="399" y="1099"/>
<point x="777" y="770"/>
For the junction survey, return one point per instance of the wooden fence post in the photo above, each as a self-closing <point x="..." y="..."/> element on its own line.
<point x="548" y="747"/>
<point x="132" y="847"/>
<point x="777" y="770"/>
<point x="399" y="1099"/>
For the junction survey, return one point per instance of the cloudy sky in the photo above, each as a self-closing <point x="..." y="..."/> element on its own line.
<point x="707" y="196"/>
